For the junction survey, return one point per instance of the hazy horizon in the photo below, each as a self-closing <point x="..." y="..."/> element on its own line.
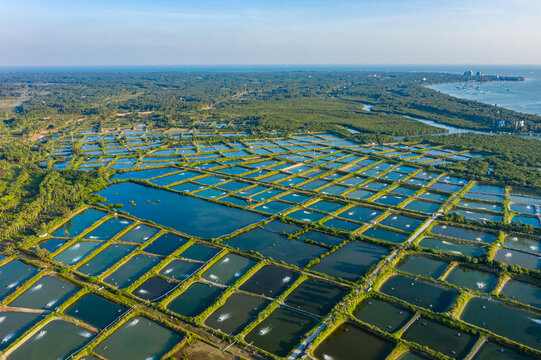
<point x="61" y="33"/>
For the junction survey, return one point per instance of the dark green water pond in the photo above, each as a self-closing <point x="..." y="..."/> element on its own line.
<point x="281" y="331"/>
<point x="132" y="270"/>
<point x="315" y="297"/>
<point x="238" y="311"/>
<point x="349" y="341"/>
<point x="505" y="320"/>
<point x="95" y="310"/>
<point x="454" y="343"/>
<point x="44" y="345"/>
<point x="47" y="293"/>
<point x="386" y="316"/>
<point x="351" y="260"/>
<point x="417" y="292"/>
<point x="195" y="299"/>
<point x="139" y="338"/>
<point x="422" y="265"/>
<point x="270" y="280"/>
<point x="193" y="216"/>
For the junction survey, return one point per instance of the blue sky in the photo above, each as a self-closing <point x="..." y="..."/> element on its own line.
<point x="210" y="32"/>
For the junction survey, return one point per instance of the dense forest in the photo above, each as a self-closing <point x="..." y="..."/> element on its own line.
<point x="33" y="102"/>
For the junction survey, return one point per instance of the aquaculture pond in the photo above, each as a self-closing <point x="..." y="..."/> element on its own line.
<point x="139" y="234"/>
<point x="348" y="339"/>
<point x="195" y="299"/>
<point x="14" y="274"/>
<point x="105" y="259"/>
<point x="492" y="351"/>
<point x="524" y="292"/>
<point x="52" y="244"/>
<point x="463" y="234"/>
<point x="139" y="338"/>
<point x="180" y="269"/>
<point x="386" y="235"/>
<point x="276" y="246"/>
<point x="451" y="342"/>
<point x="76" y="252"/>
<point x="199" y="252"/>
<point x="401" y="222"/>
<point x="145" y="174"/>
<point x="281" y="331"/>
<point x="270" y="281"/>
<point x="351" y="260"/>
<point x="473" y="279"/>
<point x="419" y="292"/>
<point x="95" y="310"/>
<point x="523" y="243"/>
<point x="238" y="311"/>
<point x="411" y="356"/>
<point x="155" y="289"/>
<point x="505" y="320"/>
<point x="47" y="293"/>
<point x="108" y="229"/>
<point x="514" y="257"/>
<point x="79" y="223"/>
<point x="321" y="238"/>
<point x="228" y="269"/>
<point x="361" y="214"/>
<point x="13" y="324"/>
<point x="315" y="297"/>
<point x="132" y="270"/>
<point x="44" y="344"/>
<point x="190" y="215"/>
<point x="165" y="244"/>
<point x="386" y="316"/>
<point x="422" y="265"/>
<point x="452" y="247"/>
<point x="423" y="206"/>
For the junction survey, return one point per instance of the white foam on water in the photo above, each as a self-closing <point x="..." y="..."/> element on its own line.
<point x="12" y="285"/>
<point x="75" y="259"/>
<point x="51" y="303"/>
<point x="327" y="357"/>
<point x="225" y="260"/>
<point x="7" y="338"/>
<point x="2" y="318"/>
<point x="286" y="279"/>
<point x="75" y="247"/>
<point x="167" y="271"/>
<point x="133" y="322"/>
<point x="36" y="287"/>
<point x="480" y="285"/>
<point x="213" y="277"/>
<point x="264" y="331"/>
<point x="508" y="255"/>
<point x="224" y="317"/>
<point x="537" y="321"/>
<point x="143" y="291"/>
<point x="85" y="334"/>
<point x="41" y="334"/>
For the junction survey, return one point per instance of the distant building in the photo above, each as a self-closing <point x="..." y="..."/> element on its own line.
<point x="479" y="73"/>
<point x="516" y="123"/>
<point x="468" y="73"/>
<point x="501" y="123"/>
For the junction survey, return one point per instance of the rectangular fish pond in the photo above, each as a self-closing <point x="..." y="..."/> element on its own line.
<point x="190" y="215"/>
